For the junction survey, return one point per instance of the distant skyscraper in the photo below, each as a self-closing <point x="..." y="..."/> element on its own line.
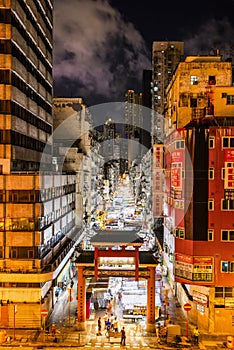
<point x="145" y="134"/>
<point x="147" y="88"/>
<point x="109" y="131"/>
<point x="165" y="58"/>
<point x="133" y="123"/>
<point x="133" y="114"/>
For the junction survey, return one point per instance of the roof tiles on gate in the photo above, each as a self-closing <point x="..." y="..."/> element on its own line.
<point x="145" y="258"/>
<point x="112" y="237"/>
<point x="85" y="257"/>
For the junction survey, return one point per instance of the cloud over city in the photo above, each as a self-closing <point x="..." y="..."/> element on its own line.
<point x="99" y="52"/>
<point x="212" y="35"/>
<point x="96" y="52"/>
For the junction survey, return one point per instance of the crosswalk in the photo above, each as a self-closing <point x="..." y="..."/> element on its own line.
<point x="103" y="345"/>
<point x="102" y="342"/>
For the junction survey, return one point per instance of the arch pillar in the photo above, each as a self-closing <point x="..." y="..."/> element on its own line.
<point x="150" y="321"/>
<point x="81" y="302"/>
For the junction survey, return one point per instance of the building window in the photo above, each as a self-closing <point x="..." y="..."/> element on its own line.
<point x="227" y="266"/>
<point x="225" y="142"/>
<point x="218" y="292"/>
<point x="228" y="194"/>
<point x="183" y="102"/>
<point x="211" y="142"/>
<point x="210" y="235"/>
<point x="227" y="204"/>
<point x="229" y="164"/>
<point x="211" y="173"/>
<point x="222" y="292"/>
<point x="211" y="80"/>
<point x="230" y="100"/>
<point x="30" y="253"/>
<point x="227" y="235"/>
<point x="179" y="144"/>
<point x="193" y="102"/>
<point x="224" y="266"/>
<point x="211" y="204"/>
<point x="193" y="79"/>
<point x="181" y="233"/>
<point x="228" y="142"/>
<point x="223" y="173"/>
<point x="14" y="253"/>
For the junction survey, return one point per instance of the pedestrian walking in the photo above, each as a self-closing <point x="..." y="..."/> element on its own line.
<point x="95" y="304"/>
<point x="115" y="324"/>
<point x="53" y="329"/>
<point x="119" y="298"/>
<point x="108" y="325"/>
<point x="109" y="308"/>
<point x="123" y="337"/>
<point x="105" y="317"/>
<point x="114" y="303"/>
<point x="99" y="326"/>
<point x="167" y="321"/>
<point x="112" y="321"/>
<point x="57" y="294"/>
<point x="196" y="335"/>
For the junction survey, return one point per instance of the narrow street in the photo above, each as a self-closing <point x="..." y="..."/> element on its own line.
<point x="63" y="316"/>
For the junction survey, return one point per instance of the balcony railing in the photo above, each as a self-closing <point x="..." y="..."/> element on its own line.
<point x="198" y="113"/>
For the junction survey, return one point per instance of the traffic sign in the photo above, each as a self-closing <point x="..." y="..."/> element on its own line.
<point x="187" y="307"/>
<point x="44" y="312"/>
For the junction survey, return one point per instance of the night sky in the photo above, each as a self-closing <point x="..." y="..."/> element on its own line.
<point x="101" y="47"/>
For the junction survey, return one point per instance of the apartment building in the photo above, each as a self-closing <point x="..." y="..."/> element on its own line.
<point x="199" y="190"/>
<point x="165" y="57"/>
<point x="201" y="86"/>
<point x="37" y="205"/>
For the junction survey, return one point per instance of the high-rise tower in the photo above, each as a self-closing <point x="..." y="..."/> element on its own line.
<point x="165" y="58"/>
<point x="36" y="214"/>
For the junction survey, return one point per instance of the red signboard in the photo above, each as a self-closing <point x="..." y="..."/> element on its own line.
<point x="44" y="312"/>
<point x="177" y="156"/>
<point x="202" y="260"/>
<point x="229" y="155"/>
<point x="187" y="307"/>
<point x="158" y="156"/>
<point x="184" y="258"/>
<point x="176" y="177"/>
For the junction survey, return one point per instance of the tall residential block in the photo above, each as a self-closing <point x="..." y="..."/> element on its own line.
<point x="37" y="215"/>
<point x="165" y="57"/>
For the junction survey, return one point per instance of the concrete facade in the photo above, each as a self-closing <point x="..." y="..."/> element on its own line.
<point x="197" y="89"/>
<point x="37" y="205"/>
<point x="198" y="227"/>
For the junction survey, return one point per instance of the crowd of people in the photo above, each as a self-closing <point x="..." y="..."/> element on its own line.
<point x="109" y="323"/>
